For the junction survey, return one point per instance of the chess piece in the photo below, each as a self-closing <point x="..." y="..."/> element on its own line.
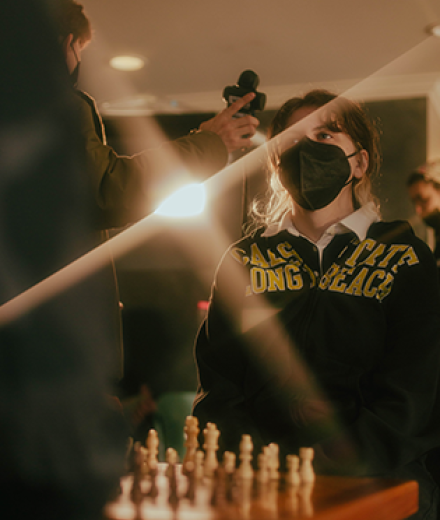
<point x="173" y="498"/>
<point x="211" y="434"/>
<point x="191" y="482"/>
<point x="144" y="460"/>
<point x="136" y="489"/>
<point x="245" y="470"/>
<point x="171" y="458"/>
<point x="229" y="468"/>
<point x="153" y="449"/>
<point x="136" y="492"/>
<point x="229" y="461"/>
<point x="154" y="490"/>
<point x="191" y="431"/>
<point x="138" y="459"/>
<point x="218" y="488"/>
<point x="292" y="475"/>
<point x="245" y="496"/>
<point x="263" y="468"/>
<point x="274" y="461"/>
<point x="199" y="470"/>
<point x="306" y="471"/>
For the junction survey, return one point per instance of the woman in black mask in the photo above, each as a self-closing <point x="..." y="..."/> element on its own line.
<point x="324" y="323"/>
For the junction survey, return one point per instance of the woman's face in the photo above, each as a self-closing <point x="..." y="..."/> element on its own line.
<point x="313" y="125"/>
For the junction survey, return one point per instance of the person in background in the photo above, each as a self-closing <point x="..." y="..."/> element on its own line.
<point x="62" y="445"/>
<point x="424" y="190"/>
<point x="126" y="189"/>
<point x="323" y="328"/>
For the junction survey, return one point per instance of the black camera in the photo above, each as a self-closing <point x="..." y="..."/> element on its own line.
<point x="247" y="82"/>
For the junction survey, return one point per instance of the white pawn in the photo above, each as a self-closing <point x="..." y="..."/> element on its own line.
<point x="229" y="462"/>
<point x="198" y="465"/>
<point x="139" y="459"/>
<point x="263" y="468"/>
<point x="211" y="435"/>
<point x="153" y="449"/>
<point x="171" y="458"/>
<point x="306" y="471"/>
<point x="292" y="476"/>
<point x="191" y="431"/>
<point x="246" y="446"/>
<point x="144" y="460"/>
<point x="274" y="461"/>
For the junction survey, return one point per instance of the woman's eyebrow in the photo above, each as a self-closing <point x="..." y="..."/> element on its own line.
<point x="331" y="126"/>
<point x="323" y="126"/>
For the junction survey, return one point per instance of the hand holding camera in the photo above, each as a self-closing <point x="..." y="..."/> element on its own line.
<point x="237" y="123"/>
<point x="236" y="132"/>
<point x="247" y="82"/>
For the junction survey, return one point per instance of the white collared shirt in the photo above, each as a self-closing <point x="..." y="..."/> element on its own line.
<point x="358" y="222"/>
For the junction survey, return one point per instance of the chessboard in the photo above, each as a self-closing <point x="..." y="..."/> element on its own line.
<point x="202" y="487"/>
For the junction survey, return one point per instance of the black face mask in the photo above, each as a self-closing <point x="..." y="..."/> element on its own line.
<point x="433" y="220"/>
<point x="314" y="173"/>
<point x="74" y="75"/>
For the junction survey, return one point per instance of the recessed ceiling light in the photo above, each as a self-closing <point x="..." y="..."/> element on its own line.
<point x="434" y="29"/>
<point x="127" y="63"/>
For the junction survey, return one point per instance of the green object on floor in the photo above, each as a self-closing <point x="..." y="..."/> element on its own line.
<point x="169" y="421"/>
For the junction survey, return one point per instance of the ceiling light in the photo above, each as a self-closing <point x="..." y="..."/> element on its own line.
<point x="434" y="29"/>
<point x="127" y="63"/>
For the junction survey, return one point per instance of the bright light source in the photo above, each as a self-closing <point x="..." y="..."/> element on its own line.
<point x="188" y="201"/>
<point x="127" y="63"/>
<point x="434" y="29"/>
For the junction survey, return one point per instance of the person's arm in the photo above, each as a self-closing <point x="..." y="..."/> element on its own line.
<point x="220" y="398"/>
<point x="222" y="361"/>
<point x="129" y="188"/>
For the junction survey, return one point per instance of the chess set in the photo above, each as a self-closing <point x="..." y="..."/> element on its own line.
<point x="201" y="483"/>
<point x="203" y="487"/>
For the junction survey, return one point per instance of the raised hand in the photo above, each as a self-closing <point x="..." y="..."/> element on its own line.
<point x="236" y="132"/>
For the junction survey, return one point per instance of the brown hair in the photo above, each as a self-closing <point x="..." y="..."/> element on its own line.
<point x="70" y="18"/>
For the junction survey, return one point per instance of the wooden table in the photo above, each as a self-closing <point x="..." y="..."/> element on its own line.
<point x="330" y="498"/>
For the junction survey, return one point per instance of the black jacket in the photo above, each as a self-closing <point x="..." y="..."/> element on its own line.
<point x="342" y="355"/>
<point x="127" y="188"/>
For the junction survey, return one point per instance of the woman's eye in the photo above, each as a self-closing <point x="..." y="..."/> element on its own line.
<point x="324" y="136"/>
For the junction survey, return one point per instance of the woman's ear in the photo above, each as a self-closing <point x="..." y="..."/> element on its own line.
<point x="362" y="163"/>
<point x="66" y="44"/>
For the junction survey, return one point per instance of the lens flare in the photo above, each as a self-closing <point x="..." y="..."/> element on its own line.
<point x="187" y="201"/>
<point x="190" y="201"/>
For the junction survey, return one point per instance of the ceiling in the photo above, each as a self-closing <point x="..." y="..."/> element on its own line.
<point x="367" y="49"/>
